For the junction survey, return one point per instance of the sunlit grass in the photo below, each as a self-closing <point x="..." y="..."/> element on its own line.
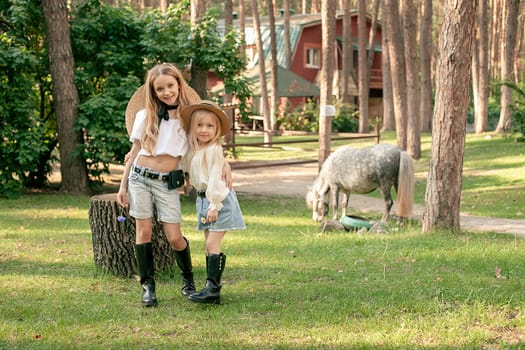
<point x="285" y="286"/>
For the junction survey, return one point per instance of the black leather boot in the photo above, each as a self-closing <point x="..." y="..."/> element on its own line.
<point x="183" y="259"/>
<point x="211" y="294"/>
<point x="144" y="253"/>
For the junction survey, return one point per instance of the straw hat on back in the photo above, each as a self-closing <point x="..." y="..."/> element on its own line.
<point x="136" y="103"/>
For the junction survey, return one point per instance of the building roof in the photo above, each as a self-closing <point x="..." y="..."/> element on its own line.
<point x="289" y="83"/>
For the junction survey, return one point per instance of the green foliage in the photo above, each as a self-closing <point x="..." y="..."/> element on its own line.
<point x="106" y="42"/>
<point x="113" y="48"/>
<point x="345" y="119"/>
<point x="303" y="118"/>
<point x="105" y="138"/>
<point x="518" y="111"/>
<point x="306" y="118"/>
<point x="167" y="37"/>
<point x="493" y="113"/>
<point x="24" y="124"/>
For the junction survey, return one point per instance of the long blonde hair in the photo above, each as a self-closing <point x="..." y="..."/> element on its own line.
<point x="196" y="116"/>
<point x="186" y="97"/>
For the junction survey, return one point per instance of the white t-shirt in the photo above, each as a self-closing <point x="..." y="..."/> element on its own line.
<point x="172" y="138"/>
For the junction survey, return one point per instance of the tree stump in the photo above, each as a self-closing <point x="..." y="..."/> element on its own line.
<point x="114" y="241"/>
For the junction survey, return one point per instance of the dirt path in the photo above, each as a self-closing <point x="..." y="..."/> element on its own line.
<point x="293" y="180"/>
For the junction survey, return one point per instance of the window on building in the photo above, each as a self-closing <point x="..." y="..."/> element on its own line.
<point x="313" y="57"/>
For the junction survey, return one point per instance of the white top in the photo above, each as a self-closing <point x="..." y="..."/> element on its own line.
<point x="171" y="140"/>
<point x="205" y="168"/>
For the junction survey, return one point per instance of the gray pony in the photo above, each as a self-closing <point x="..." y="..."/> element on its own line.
<point x="362" y="170"/>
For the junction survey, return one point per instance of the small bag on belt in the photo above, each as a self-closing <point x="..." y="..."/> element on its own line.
<point x="175" y="179"/>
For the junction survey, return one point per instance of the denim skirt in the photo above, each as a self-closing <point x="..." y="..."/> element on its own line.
<point x="229" y="218"/>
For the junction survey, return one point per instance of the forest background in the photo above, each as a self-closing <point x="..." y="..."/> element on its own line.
<point x="111" y="45"/>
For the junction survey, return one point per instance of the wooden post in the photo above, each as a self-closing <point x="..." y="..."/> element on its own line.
<point x="114" y="241"/>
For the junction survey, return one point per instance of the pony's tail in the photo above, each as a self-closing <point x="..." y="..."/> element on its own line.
<point x="405" y="185"/>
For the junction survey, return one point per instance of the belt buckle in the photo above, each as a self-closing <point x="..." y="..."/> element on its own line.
<point x="138" y="170"/>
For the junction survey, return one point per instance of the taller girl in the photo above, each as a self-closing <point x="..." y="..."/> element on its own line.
<point x="153" y="173"/>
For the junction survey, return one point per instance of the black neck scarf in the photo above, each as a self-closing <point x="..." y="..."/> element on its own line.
<point x="163" y="111"/>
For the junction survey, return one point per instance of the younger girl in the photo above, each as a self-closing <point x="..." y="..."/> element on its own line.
<point x="153" y="173"/>
<point x="218" y="209"/>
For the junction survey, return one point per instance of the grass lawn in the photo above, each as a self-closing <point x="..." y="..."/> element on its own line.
<point x="284" y="286"/>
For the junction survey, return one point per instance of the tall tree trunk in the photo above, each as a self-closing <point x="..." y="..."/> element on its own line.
<point x="314" y="8"/>
<point x="371" y="40"/>
<point x="164" y="5"/>
<point x="507" y="63"/>
<point x="348" y="55"/>
<point x="475" y="70"/>
<point x="443" y="194"/>
<point x="228" y="97"/>
<point x="72" y="166"/>
<point x="497" y="24"/>
<point x="274" y="73"/>
<point x="262" y="74"/>
<point x="389" y="122"/>
<point x="242" y="26"/>
<point x="362" y="68"/>
<point x="426" y="67"/>
<point x="412" y="79"/>
<point x="397" y="68"/>
<point x="327" y="69"/>
<point x="482" y="106"/>
<point x="286" y="33"/>
<point x="199" y="75"/>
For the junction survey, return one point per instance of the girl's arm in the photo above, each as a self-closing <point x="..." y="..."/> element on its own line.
<point x="217" y="188"/>
<point x="122" y="198"/>
<point x="227" y="174"/>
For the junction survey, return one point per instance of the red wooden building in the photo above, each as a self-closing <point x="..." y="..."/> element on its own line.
<point x="306" y="43"/>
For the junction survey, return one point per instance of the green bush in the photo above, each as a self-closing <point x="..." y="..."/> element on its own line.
<point x="25" y="138"/>
<point x="306" y="118"/>
<point x="303" y="118"/>
<point x="346" y="119"/>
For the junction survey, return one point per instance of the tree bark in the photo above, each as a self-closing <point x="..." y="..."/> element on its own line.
<point x="412" y="79"/>
<point x="72" y="166"/>
<point x="262" y="74"/>
<point x="482" y="105"/>
<point x="362" y="67"/>
<point x="199" y="76"/>
<point x="348" y="55"/>
<point x="274" y="101"/>
<point x="327" y="74"/>
<point x="507" y="64"/>
<point x="397" y="68"/>
<point x="286" y="33"/>
<point x="114" y="241"/>
<point x="228" y="97"/>
<point x="443" y="193"/>
<point x="426" y="67"/>
<point x="389" y="122"/>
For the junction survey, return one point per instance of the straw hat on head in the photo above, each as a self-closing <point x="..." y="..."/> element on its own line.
<point x="136" y="103"/>
<point x="186" y="112"/>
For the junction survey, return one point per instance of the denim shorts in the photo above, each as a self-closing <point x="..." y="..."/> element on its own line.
<point x="229" y="218"/>
<point x="146" y="193"/>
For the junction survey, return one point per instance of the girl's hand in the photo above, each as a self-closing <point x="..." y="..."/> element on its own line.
<point x="212" y="215"/>
<point x="126" y="157"/>
<point x="122" y="198"/>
